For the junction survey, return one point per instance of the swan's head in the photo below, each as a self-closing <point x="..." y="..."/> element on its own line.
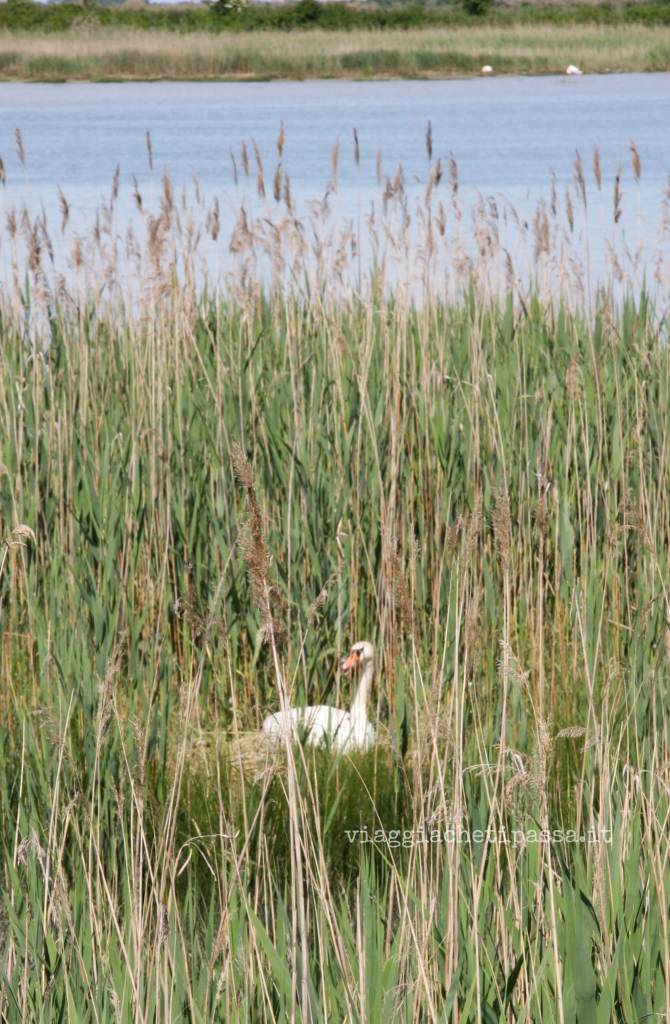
<point x="360" y="656"/>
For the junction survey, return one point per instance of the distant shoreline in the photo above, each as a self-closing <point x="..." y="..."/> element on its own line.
<point x="132" y="54"/>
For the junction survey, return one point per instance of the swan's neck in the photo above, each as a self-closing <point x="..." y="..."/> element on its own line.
<point x="359" y="705"/>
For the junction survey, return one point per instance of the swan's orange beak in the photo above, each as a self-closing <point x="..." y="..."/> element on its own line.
<point x="350" y="663"/>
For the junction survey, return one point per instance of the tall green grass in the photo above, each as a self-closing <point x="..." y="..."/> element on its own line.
<point x="477" y="484"/>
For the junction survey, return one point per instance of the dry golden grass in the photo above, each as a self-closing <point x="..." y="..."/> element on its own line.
<point x="137" y="54"/>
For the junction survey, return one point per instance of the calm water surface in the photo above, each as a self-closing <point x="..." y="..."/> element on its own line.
<point x="507" y="134"/>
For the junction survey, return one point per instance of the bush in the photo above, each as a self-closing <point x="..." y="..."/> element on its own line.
<point x="477" y="8"/>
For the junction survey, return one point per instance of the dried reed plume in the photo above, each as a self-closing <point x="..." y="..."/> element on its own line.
<point x="115" y="183"/>
<point x="287" y="193"/>
<point x="579" y="177"/>
<point x="19" y="535"/>
<point x="569" y="211"/>
<point x="541" y="231"/>
<point x="453" y="174"/>
<point x="401" y="592"/>
<point x="635" y="160"/>
<point x="16" y="539"/>
<point x="597" y="173"/>
<point x="429" y="141"/>
<point x="256" y="554"/>
<point x="260" y="174"/>
<point x="214" y="220"/>
<point x="281" y="138"/>
<point x="433" y="181"/>
<point x="335" y="160"/>
<point x="64" y="209"/>
<point x="167" y="200"/>
<point x="277" y="184"/>
<point x="150" y="151"/>
<point x="137" y="195"/>
<point x="357" y="149"/>
<point x="19" y="146"/>
<point x="617" y="196"/>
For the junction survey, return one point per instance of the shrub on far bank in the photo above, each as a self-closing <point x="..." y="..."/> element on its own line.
<point x="477" y="8"/>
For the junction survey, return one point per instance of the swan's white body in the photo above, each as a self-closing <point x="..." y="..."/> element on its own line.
<point x="572" y="69"/>
<point x="321" y="725"/>
<point x="324" y="725"/>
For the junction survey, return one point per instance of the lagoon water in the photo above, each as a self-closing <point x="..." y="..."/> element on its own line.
<point x="508" y="135"/>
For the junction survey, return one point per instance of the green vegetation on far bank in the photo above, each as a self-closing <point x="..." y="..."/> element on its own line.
<point x="221" y="16"/>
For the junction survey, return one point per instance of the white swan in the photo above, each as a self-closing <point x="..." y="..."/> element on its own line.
<point x="322" y="724"/>
<point x="572" y="69"/>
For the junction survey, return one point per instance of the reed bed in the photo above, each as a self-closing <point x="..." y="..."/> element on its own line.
<point x="206" y="492"/>
<point x="91" y="53"/>
<point x="376" y="231"/>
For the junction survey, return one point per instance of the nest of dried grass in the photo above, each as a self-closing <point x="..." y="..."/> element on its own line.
<point x="255" y="757"/>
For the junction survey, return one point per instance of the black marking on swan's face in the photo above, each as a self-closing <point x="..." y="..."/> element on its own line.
<point x="361" y="653"/>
